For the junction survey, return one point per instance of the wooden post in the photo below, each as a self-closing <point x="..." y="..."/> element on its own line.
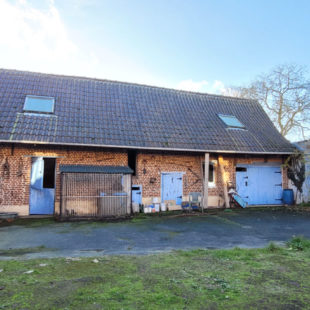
<point x="221" y="166"/>
<point x="205" y="183"/>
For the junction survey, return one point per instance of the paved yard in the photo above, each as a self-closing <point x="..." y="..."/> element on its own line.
<point x="245" y="228"/>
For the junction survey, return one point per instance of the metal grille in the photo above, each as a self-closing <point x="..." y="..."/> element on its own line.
<point x="95" y="195"/>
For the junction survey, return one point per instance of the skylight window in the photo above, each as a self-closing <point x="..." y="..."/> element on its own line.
<point x="231" y="121"/>
<point x="39" y="104"/>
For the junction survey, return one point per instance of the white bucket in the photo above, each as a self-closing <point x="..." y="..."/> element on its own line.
<point x="163" y="207"/>
<point x="157" y="207"/>
<point x="156" y="200"/>
<point x="135" y="207"/>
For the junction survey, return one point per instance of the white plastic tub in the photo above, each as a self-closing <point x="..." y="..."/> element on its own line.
<point x="135" y="207"/>
<point x="157" y="207"/>
<point x="163" y="207"/>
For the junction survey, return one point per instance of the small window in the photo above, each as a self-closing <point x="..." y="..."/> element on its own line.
<point x="231" y="121"/>
<point x="211" y="174"/>
<point x="132" y="158"/>
<point x="39" y="104"/>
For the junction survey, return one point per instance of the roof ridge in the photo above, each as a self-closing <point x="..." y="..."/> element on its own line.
<point x="131" y="83"/>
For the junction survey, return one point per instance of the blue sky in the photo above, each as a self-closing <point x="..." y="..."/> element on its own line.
<point x="195" y="45"/>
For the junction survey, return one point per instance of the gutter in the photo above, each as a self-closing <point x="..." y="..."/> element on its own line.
<point x="145" y="148"/>
<point x="298" y="147"/>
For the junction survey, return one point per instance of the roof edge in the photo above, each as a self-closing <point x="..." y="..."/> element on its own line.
<point x="131" y="83"/>
<point x="95" y="169"/>
<point x="145" y="148"/>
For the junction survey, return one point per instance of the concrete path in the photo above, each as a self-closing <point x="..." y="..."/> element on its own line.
<point x="244" y="228"/>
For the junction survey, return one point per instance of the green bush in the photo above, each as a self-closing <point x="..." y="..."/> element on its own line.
<point x="272" y="247"/>
<point x="299" y="243"/>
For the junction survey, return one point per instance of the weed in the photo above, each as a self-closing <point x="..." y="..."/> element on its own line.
<point x="23" y="251"/>
<point x="299" y="243"/>
<point x="272" y="247"/>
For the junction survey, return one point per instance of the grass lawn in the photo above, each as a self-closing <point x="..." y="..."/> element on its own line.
<point x="269" y="278"/>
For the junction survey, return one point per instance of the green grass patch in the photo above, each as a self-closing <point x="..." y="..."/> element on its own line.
<point x="30" y="222"/>
<point x="272" y="247"/>
<point x="299" y="243"/>
<point x="23" y="251"/>
<point x="304" y="204"/>
<point x="270" y="278"/>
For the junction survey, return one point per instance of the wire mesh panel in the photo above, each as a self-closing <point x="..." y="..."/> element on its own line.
<point x="95" y="195"/>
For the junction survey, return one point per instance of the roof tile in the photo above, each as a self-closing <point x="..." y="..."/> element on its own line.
<point x="108" y="113"/>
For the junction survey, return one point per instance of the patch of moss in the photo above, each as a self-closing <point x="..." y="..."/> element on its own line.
<point x="23" y="251"/>
<point x="227" y="221"/>
<point x="30" y="222"/>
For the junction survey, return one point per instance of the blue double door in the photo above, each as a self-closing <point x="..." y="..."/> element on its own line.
<point x="172" y="187"/>
<point x="42" y="186"/>
<point x="259" y="185"/>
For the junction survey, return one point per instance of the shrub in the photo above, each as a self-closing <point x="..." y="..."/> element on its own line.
<point x="299" y="243"/>
<point x="272" y="247"/>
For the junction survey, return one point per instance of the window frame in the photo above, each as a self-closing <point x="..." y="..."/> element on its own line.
<point x="223" y="116"/>
<point x="42" y="98"/>
<point x="213" y="164"/>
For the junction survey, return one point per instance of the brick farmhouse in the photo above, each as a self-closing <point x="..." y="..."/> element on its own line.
<point x="70" y="144"/>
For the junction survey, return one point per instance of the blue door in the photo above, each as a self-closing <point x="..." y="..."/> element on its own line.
<point x="172" y="187"/>
<point x="136" y="194"/>
<point x="41" y="200"/>
<point x="259" y="185"/>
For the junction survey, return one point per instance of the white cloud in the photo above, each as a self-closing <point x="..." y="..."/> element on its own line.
<point x="216" y="87"/>
<point x="39" y="40"/>
<point x="190" y="85"/>
<point x="34" y="34"/>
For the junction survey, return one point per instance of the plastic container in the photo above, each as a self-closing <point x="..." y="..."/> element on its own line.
<point x="157" y="207"/>
<point x="156" y="200"/>
<point x="163" y="207"/>
<point x="135" y="207"/>
<point x="288" y="196"/>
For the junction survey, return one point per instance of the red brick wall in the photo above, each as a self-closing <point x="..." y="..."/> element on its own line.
<point x="150" y="166"/>
<point x="14" y="177"/>
<point x="15" y="169"/>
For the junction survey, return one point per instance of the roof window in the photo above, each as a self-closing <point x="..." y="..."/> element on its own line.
<point x="39" y="104"/>
<point x="231" y="121"/>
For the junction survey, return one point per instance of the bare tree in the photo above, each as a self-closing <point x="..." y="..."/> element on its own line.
<point x="285" y="95"/>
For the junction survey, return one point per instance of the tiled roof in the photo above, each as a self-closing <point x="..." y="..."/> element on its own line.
<point x="95" y="169"/>
<point x="117" y="114"/>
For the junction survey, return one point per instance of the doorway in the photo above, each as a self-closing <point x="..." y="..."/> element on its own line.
<point x="42" y="186"/>
<point x="259" y="185"/>
<point x="172" y="187"/>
